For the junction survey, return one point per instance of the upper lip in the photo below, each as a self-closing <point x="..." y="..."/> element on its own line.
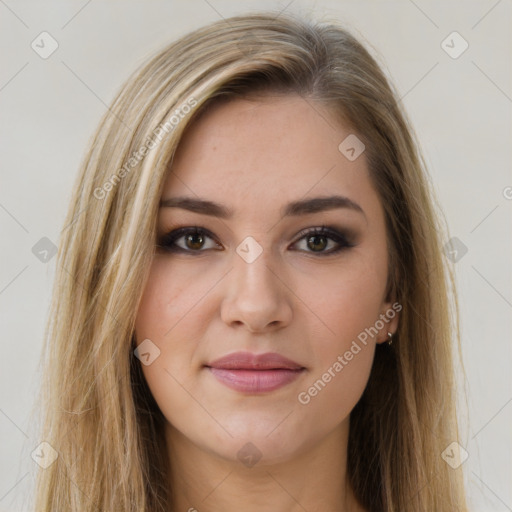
<point x="250" y="361"/>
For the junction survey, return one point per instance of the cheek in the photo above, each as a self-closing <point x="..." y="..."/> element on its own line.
<point x="172" y="295"/>
<point x="159" y="312"/>
<point x="160" y="309"/>
<point x="348" y="305"/>
<point x="334" y="391"/>
<point x="347" y="299"/>
<point x="172" y="316"/>
<point x="343" y="359"/>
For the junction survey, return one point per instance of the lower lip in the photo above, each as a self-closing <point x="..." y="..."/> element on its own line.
<point x="255" y="381"/>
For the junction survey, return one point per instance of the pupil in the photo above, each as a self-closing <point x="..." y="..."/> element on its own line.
<point x="316" y="237"/>
<point x="197" y="245"/>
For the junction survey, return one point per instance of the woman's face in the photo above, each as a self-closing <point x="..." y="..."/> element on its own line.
<point x="256" y="279"/>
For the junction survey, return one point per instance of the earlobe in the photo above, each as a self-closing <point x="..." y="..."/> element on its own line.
<point x="389" y="317"/>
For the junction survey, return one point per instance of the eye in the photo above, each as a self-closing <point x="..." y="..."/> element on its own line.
<point x="317" y="239"/>
<point x="194" y="239"/>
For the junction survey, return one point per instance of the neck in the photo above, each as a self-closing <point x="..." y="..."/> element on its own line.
<point x="315" y="479"/>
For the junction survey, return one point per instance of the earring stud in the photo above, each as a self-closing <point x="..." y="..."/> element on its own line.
<point x="390" y="338"/>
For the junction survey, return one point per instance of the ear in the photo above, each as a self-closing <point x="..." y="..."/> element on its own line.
<point x="389" y="317"/>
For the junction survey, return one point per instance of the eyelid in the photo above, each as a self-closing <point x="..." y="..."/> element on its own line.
<point x="326" y="230"/>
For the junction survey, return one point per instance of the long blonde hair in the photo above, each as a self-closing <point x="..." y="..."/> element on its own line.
<point x="96" y="409"/>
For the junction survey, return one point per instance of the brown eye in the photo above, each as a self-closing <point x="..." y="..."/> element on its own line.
<point x="322" y="241"/>
<point x="317" y="242"/>
<point x="190" y="240"/>
<point x="318" y="239"/>
<point x="194" y="240"/>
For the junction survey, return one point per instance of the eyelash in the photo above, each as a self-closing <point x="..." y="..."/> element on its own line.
<point x="167" y="241"/>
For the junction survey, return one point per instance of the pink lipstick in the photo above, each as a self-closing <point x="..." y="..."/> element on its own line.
<point x="255" y="373"/>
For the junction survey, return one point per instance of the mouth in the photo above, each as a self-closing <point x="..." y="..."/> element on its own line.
<point x="252" y="373"/>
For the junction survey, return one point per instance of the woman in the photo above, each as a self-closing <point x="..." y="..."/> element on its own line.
<point x="251" y="309"/>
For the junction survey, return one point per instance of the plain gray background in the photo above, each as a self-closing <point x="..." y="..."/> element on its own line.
<point x="460" y="108"/>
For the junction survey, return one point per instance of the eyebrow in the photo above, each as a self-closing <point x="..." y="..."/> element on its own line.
<point x="295" y="208"/>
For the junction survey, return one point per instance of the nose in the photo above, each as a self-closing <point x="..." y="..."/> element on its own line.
<point x="256" y="296"/>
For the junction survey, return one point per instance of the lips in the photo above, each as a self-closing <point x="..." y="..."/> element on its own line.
<point x="249" y="361"/>
<point x="255" y="373"/>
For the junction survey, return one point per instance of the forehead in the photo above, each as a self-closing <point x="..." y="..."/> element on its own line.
<point x="264" y="152"/>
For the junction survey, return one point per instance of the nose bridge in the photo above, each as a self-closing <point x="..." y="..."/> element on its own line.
<point x="256" y="296"/>
<point x="254" y="266"/>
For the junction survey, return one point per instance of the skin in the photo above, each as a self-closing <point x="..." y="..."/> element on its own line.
<point x="254" y="157"/>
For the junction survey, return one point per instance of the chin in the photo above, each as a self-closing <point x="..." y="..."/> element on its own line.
<point x="263" y="443"/>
